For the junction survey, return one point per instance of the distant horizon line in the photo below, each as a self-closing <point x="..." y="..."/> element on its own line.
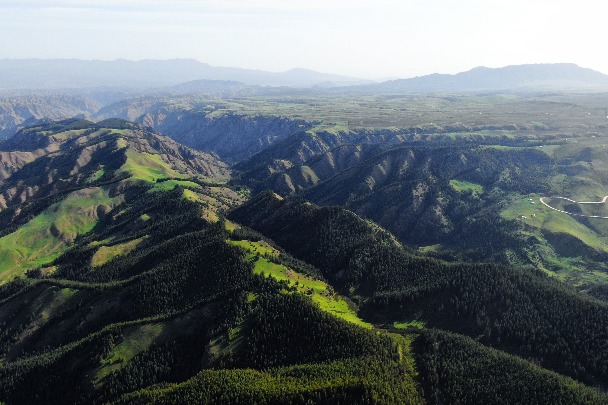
<point x="377" y="79"/>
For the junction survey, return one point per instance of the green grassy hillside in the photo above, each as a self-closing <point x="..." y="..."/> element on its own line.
<point x="49" y="234"/>
<point x="81" y="172"/>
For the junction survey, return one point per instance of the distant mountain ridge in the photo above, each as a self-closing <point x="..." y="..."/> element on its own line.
<point x="515" y="77"/>
<point x="75" y="73"/>
<point x="189" y="75"/>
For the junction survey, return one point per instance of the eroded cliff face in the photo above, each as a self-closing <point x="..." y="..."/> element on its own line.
<point x="18" y="112"/>
<point x="233" y="137"/>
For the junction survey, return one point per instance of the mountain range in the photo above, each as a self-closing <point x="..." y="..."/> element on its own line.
<point x="146" y="74"/>
<point x="34" y="89"/>
<point x="212" y="241"/>
<point x="164" y="75"/>
<point x="520" y="78"/>
<point x="562" y="76"/>
<point x="137" y="270"/>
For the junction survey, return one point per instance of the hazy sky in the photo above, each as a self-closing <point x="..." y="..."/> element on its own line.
<point x="374" y="39"/>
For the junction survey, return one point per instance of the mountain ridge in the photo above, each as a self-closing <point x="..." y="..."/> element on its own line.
<point x="148" y="73"/>
<point x="513" y="78"/>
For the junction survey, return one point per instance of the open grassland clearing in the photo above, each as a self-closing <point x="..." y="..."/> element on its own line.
<point x="230" y="226"/>
<point x="45" y="305"/>
<point x="215" y="200"/>
<point x="584" y="186"/>
<point x="466" y="186"/>
<point x="97" y="175"/>
<point x="143" y="335"/>
<point x="572" y="270"/>
<point x="147" y="167"/>
<point x="555" y="233"/>
<point x="152" y="170"/>
<point x="136" y="339"/>
<point x="528" y="210"/>
<point x="589" y="209"/>
<point x="320" y="292"/>
<point x="71" y="134"/>
<point x="106" y="253"/>
<point x="408" y="324"/>
<point x="169" y="185"/>
<point x="42" y="308"/>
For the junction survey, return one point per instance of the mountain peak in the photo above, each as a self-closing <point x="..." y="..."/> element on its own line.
<point x="564" y="76"/>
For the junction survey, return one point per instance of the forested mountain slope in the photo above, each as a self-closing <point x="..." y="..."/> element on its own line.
<point x="520" y="311"/>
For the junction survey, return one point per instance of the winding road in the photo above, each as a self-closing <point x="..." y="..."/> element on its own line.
<point x="542" y="200"/>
